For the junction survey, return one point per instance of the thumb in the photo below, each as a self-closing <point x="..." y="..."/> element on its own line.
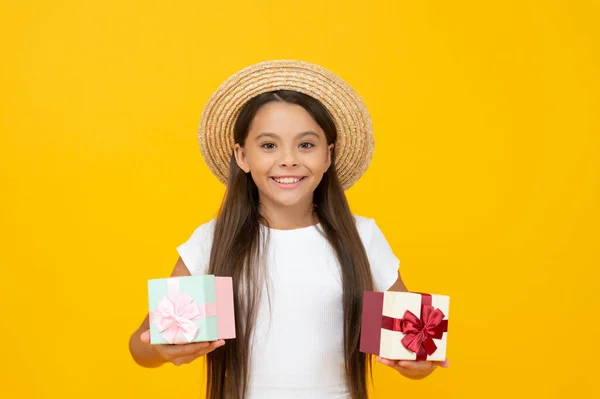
<point x="145" y="337"/>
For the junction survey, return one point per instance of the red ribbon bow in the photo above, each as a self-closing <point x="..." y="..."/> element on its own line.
<point x="419" y="331"/>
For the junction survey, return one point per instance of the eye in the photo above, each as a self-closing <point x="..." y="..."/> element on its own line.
<point x="268" y="146"/>
<point x="306" y="145"/>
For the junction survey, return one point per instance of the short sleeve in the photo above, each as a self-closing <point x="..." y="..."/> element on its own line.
<point x="195" y="252"/>
<point x="384" y="263"/>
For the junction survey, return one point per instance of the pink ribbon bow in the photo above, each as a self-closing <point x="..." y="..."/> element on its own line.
<point x="175" y="314"/>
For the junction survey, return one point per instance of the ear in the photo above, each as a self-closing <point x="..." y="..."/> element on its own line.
<point x="329" y="155"/>
<point x="240" y="158"/>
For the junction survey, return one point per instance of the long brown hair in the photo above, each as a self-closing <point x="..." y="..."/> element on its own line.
<point x="238" y="245"/>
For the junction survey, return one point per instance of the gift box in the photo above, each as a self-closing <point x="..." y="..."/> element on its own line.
<point x="191" y="309"/>
<point x="404" y="325"/>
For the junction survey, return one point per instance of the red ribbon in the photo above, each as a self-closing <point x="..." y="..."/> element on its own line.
<point x="419" y="332"/>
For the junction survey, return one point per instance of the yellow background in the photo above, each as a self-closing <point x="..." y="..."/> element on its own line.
<point x="486" y="177"/>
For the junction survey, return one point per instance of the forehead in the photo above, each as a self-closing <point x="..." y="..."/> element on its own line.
<point x="282" y="118"/>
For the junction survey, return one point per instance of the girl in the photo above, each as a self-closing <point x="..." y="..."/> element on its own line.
<point x="287" y="138"/>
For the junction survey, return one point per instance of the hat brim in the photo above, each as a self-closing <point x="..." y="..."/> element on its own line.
<point x="354" y="145"/>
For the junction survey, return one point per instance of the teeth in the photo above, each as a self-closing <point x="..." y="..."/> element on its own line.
<point x="287" y="180"/>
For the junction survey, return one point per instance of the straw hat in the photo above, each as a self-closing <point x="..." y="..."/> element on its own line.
<point x="355" y="142"/>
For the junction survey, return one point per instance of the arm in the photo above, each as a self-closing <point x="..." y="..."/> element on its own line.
<point x="147" y="355"/>
<point x="398" y="286"/>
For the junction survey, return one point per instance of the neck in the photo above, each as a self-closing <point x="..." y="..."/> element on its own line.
<point x="289" y="217"/>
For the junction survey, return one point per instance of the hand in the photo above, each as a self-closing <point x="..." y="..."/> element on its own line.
<point x="413" y="369"/>
<point x="179" y="354"/>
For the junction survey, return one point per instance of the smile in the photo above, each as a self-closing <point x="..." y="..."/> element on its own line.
<point x="288" y="180"/>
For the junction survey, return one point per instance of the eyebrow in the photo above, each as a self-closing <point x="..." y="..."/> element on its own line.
<point x="275" y="136"/>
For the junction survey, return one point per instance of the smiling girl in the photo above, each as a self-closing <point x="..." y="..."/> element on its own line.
<point x="287" y="138"/>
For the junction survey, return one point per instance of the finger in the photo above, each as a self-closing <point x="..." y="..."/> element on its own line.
<point x="200" y="348"/>
<point x="394" y="364"/>
<point x="179" y="361"/>
<point x="419" y="365"/>
<point x="145" y="337"/>
<point x="213" y="345"/>
<point x="187" y="358"/>
<point x="385" y="361"/>
<point x="177" y="350"/>
<point x="390" y="363"/>
<point x="444" y="363"/>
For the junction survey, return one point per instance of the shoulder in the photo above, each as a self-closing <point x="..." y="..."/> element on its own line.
<point x="362" y="220"/>
<point x="195" y="251"/>
<point x="366" y="226"/>
<point x="369" y="232"/>
<point x="205" y="229"/>
<point x="202" y="236"/>
<point x="383" y="261"/>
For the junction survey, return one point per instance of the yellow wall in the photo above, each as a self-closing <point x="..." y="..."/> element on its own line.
<point x="486" y="178"/>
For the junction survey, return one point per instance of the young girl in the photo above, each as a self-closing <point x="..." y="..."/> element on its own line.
<point x="287" y="138"/>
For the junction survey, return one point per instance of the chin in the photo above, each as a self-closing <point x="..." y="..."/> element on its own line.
<point x="286" y="202"/>
<point x="288" y="199"/>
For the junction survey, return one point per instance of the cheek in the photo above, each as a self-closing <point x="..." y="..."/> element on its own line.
<point x="318" y="163"/>
<point x="259" y="163"/>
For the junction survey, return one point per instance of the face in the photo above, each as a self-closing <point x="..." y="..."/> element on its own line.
<point x="286" y="152"/>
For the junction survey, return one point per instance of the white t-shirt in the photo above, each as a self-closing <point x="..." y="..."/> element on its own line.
<point x="297" y="346"/>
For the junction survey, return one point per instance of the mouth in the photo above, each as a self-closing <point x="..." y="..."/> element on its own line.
<point x="287" y="180"/>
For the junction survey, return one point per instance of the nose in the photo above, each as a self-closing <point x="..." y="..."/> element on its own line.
<point x="288" y="158"/>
